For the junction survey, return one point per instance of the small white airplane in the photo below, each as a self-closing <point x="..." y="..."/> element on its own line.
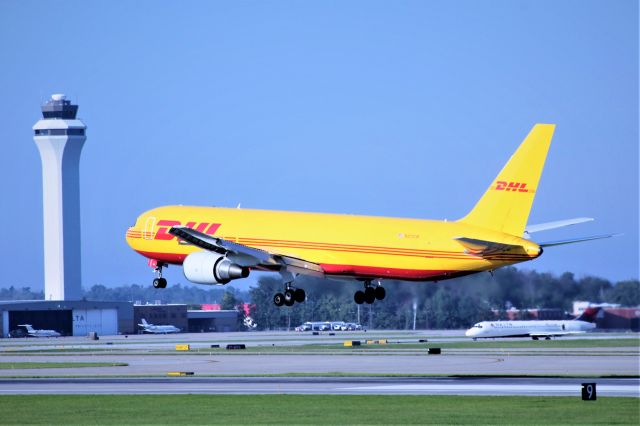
<point x="32" y="332"/>
<point x="158" y="329"/>
<point x="535" y="329"/>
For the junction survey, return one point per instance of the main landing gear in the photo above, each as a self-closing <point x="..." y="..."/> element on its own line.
<point x="370" y="294"/>
<point x="159" y="282"/>
<point x="291" y="294"/>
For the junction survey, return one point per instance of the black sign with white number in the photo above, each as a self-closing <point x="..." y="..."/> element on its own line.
<point x="588" y="391"/>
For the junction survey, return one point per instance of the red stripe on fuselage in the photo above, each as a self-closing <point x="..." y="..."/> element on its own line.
<point x="355" y="271"/>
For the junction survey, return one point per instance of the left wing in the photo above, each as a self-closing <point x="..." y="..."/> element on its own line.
<point x="555" y="333"/>
<point x="244" y="255"/>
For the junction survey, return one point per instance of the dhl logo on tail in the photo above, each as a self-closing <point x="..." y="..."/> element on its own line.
<point x="512" y="186"/>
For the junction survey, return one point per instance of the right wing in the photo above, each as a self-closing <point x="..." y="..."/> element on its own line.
<point x="246" y="256"/>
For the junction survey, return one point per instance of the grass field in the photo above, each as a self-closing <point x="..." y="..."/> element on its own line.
<point x="313" y="409"/>
<point x="23" y="365"/>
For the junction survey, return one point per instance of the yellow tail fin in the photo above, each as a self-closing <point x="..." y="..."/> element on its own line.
<point x="505" y="206"/>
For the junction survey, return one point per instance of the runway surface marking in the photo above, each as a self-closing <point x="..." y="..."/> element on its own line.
<point x="390" y="386"/>
<point x="487" y="389"/>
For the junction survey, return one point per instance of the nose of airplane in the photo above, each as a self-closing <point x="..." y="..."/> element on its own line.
<point x="470" y="332"/>
<point x="131" y="235"/>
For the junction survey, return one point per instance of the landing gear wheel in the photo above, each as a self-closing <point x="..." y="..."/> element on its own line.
<point x="288" y="295"/>
<point x="380" y="292"/>
<point x="358" y="297"/>
<point x="159" y="283"/>
<point x="278" y="299"/>
<point x="369" y="295"/>
<point x="299" y="295"/>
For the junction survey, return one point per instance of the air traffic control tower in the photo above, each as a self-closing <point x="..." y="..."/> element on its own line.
<point x="60" y="137"/>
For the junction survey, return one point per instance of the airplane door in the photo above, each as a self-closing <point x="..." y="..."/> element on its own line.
<point x="149" y="228"/>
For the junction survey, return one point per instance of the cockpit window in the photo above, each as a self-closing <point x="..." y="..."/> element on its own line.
<point x="477" y="326"/>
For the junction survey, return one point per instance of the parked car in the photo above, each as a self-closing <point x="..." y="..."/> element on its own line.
<point x="304" y="327"/>
<point x="338" y="326"/>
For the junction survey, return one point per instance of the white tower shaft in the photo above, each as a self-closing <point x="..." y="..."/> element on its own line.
<point x="60" y="138"/>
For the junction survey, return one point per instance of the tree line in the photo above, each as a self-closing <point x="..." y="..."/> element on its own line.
<point x="457" y="303"/>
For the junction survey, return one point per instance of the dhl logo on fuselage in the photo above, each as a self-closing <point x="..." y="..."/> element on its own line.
<point x="164" y="226"/>
<point x="502" y="185"/>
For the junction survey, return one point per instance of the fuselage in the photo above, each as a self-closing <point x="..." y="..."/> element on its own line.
<point x="360" y="247"/>
<point x="39" y="333"/>
<point x="161" y="329"/>
<point x="492" y="329"/>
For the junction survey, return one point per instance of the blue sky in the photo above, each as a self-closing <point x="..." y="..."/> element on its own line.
<point x="404" y="108"/>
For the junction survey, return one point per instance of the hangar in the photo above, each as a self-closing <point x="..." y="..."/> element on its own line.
<point x="69" y="318"/>
<point x="212" y="321"/>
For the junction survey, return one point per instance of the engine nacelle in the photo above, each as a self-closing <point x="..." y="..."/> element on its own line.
<point x="205" y="267"/>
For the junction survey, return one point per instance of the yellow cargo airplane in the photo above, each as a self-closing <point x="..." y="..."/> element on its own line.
<point x="217" y="245"/>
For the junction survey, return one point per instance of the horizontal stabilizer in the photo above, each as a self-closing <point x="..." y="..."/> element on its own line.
<point x="576" y="240"/>
<point x="556" y="224"/>
<point x="483" y="247"/>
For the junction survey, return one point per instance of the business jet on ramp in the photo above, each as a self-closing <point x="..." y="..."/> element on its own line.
<point x="158" y="329"/>
<point x="535" y="329"/>
<point x="32" y="332"/>
<point x="217" y="245"/>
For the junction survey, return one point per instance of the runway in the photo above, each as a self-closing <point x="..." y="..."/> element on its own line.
<point x="295" y="363"/>
<point x="609" y="387"/>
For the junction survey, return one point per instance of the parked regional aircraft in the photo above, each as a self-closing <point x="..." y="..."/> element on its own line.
<point x="32" y="332"/>
<point x="535" y="328"/>
<point x="217" y="245"/>
<point x="158" y="329"/>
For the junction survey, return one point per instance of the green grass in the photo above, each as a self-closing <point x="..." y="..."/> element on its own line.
<point x="23" y="365"/>
<point x="313" y="409"/>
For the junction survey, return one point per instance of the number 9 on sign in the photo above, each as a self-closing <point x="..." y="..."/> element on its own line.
<point x="588" y="391"/>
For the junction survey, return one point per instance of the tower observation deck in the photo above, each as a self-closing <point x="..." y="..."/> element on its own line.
<point x="60" y="137"/>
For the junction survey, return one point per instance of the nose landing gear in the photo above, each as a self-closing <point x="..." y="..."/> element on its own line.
<point x="370" y="294"/>
<point x="159" y="282"/>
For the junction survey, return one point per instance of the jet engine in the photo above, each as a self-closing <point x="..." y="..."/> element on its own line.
<point x="205" y="267"/>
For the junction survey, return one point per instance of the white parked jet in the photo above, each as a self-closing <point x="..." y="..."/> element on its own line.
<point x="32" y="332"/>
<point x="158" y="329"/>
<point x="535" y="328"/>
